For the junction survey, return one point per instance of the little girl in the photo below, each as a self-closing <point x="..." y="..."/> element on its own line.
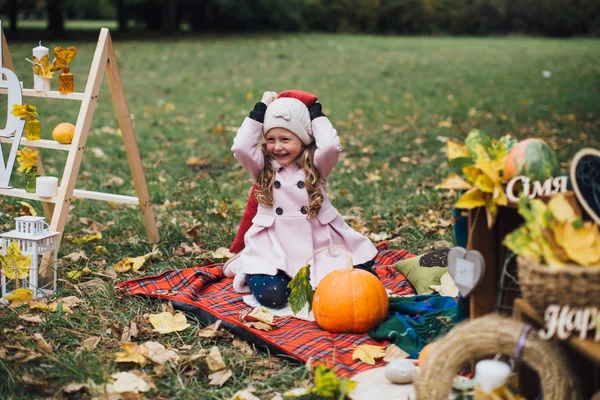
<point x="295" y="218"/>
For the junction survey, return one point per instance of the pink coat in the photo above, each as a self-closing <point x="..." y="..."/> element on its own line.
<point x="281" y="237"/>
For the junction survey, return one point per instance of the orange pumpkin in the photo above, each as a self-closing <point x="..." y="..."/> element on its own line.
<point x="350" y="300"/>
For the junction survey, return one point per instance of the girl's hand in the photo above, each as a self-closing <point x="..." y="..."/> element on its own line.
<point x="268" y="97"/>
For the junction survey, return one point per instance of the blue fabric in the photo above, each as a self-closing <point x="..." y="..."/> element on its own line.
<point x="270" y="290"/>
<point x="416" y="321"/>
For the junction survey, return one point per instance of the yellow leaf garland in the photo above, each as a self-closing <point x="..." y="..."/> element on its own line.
<point x="27" y="159"/>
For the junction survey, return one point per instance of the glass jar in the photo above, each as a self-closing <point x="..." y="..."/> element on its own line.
<point x="65" y="81"/>
<point x="30" y="178"/>
<point x="32" y="129"/>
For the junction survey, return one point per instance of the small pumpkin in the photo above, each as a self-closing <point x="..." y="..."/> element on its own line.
<point x="425" y="351"/>
<point x="350" y="300"/>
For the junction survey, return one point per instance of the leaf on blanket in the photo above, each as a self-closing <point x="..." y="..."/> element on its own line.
<point x="302" y="291"/>
<point x="447" y="287"/>
<point x="368" y="353"/>
<point x="393" y="352"/>
<point x="260" y="326"/>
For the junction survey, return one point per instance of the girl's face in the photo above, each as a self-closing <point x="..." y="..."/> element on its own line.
<point x="283" y="146"/>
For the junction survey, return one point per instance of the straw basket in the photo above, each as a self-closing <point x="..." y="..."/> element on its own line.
<point x="574" y="285"/>
<point x="484" y="338"/>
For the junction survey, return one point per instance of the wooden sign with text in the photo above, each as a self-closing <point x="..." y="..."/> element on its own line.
<point x="533" y="189"/>
<point x="562" y="321"/>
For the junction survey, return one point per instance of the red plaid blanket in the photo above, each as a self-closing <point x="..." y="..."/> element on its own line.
<point x="205" y="292"/>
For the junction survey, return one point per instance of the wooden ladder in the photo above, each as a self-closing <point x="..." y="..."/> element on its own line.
<point x="56" y="208"/>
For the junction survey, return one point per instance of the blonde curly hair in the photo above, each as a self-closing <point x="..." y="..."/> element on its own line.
<point x="312" y="181"/>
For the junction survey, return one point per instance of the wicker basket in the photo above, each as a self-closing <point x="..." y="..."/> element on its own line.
<point x="574" y="285"/>
<point x="484" y="338"/>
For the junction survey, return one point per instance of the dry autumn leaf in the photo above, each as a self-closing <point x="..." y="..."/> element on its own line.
<point x="214" y="360"/>
<point x="260" y="326"/>
<point x="158" y="353"/>
<point x="34" y="319"/>
<point x="128" y="382"/>
<point x="219" y="378"/>
<point x="166" y="322"/>
<point x="133" y="353"/>
<point x="134" y="263"/>
<point x="211" y="330"/>
<point x="368" y="353"/>
<point x="393" y="352"/>
<point x="41" y="343"/>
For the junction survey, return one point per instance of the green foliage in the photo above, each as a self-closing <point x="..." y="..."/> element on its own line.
<point x="458" y="17"/>
<point x="302" y="291"/>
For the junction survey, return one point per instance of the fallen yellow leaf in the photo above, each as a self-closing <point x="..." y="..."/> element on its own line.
<point x="368" y="353"/>
<point x="21" y="294"/>
<point x="126" y="382"/>
<point x="133" y="353"/>
<point x="166" y="322"/>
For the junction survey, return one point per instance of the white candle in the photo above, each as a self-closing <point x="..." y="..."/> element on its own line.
<point x="46" y="186"/>
<point x="491" y="374"/>
<point x="40" y="84"/>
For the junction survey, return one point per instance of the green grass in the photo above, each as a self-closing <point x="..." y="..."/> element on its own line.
<point x="385" y="95"/>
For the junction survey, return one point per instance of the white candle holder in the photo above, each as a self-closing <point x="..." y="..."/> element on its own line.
<point x="33" y="237"/>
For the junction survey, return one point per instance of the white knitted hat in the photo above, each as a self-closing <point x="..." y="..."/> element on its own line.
<point x="290" y="114"/>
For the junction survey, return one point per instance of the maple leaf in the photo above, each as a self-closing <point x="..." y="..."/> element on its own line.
<point x="14" y="263"/>
<point x="166" y="322"/>
<point x="302" y="291"/>
<point x="42" y="66"/>
<point x="260" y="326"/>
<point x="133" y="353"/>
<point x="62" y="57"/>
<point x="87" y="238"/>
<point x="211" y="330"/>
<point x="221" y="252"/>
<point x="368" y="353"/>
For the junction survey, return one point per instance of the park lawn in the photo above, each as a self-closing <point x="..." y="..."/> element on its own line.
<point x="393" y="100"/>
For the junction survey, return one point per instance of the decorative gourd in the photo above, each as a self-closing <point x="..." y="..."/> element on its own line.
<point x="350" y="300"/>
<point x="532" y="158"/>
<point x="424" y="351"/>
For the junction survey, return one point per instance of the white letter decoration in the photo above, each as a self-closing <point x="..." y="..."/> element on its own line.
<point x="14" y="125"/>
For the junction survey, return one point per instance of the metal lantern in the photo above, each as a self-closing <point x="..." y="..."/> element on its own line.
<point x="32" y="237"/>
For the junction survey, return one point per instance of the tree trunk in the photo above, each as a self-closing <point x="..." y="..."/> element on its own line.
<point x="122" y="15"/>
<point x="56" y="21"/>
<point x="169" y="16"/>
<point x="13" y="12"/>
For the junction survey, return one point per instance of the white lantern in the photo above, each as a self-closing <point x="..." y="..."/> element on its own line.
<point x="33" y="238"/>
